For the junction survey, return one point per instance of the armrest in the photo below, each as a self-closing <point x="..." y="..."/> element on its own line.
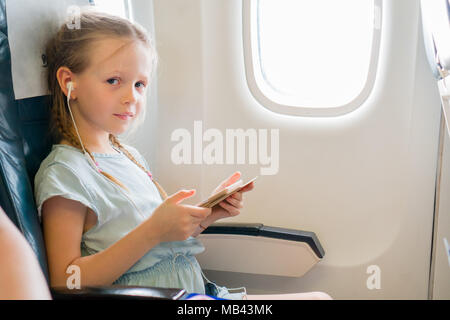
<point x="259" y="230"/>
<point x="258" y="249"/>
<point x="117" y="292"/>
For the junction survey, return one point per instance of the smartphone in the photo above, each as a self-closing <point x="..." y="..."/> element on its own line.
<point x="225" y="193"/>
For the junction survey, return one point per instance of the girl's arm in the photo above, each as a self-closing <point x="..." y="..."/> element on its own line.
<point x="63" y="222"/>
<point x="21" y="276"/>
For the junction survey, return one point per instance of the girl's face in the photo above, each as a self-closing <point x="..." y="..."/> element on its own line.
<point x="115" y="83"/>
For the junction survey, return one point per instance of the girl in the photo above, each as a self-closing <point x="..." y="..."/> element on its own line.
<point x="101" y="209"/>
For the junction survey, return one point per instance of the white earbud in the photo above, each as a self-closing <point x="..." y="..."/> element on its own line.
<point x="69" y="87"/>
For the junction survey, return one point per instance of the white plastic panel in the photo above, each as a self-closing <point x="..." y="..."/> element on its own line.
<point x="256" y="255"/>
<point x="364" y="182"/>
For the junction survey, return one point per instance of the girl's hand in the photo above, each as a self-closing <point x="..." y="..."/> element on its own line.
<point x="229" y="207"/>
<point x="172" y="221"/>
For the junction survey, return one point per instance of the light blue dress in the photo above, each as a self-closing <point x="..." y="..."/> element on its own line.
<point x="66" y="173"/>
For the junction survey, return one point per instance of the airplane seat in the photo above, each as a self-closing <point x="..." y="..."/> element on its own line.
<point x="25" y="142"/>
<point x="22" y="145"/>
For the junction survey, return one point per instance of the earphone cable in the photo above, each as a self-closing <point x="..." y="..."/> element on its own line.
<point x="71" y="115"/>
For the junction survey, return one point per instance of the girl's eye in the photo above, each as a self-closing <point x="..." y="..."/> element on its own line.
<point x="143" y="84"/>
<point x="109" y="80"/>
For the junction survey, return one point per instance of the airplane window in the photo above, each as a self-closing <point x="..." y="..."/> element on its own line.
<point x="312" y="57"/>
<point x="115" y="7"/>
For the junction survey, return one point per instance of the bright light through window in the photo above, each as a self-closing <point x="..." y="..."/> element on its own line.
<point x="115" y="7"/>
<point x="312" y="53"/>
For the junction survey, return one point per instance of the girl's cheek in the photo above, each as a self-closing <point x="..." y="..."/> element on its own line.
<point x="140" y="108"/>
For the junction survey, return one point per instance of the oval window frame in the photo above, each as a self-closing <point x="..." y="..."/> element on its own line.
<point x="249" y="22"/>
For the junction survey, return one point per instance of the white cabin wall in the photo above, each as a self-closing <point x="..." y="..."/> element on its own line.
<point x="179" y="89"/>
<point x="145" y="137"/>
<point x="363" y="182"/>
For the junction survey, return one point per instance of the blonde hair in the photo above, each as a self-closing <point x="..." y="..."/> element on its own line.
<point x="71" y="48"/>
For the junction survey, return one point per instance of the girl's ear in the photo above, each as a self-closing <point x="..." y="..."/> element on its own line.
<point x="64" y="77"/>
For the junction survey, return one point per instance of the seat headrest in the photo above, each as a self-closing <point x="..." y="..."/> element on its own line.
<point x="30" y="25"/>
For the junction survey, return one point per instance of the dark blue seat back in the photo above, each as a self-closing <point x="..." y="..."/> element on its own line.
<point x="24" y="143"/>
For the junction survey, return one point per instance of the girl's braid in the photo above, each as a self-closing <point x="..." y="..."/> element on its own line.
<point x="117" y="144"/>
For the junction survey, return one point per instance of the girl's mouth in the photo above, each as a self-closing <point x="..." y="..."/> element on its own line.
<point x="123" y="117"/>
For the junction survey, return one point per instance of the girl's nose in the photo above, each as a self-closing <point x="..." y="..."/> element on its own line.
<point x="131" y="95"/>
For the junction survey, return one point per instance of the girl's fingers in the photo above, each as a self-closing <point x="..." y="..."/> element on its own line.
<point x="251" y="186"/>
<point x="238" y="204"/>
<point x="229" y="181"/>
<point x="180" y="196"/>
<point x="198" y="212"/>
<point x="231" y="209"/>
<point x="237" y="196"/>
